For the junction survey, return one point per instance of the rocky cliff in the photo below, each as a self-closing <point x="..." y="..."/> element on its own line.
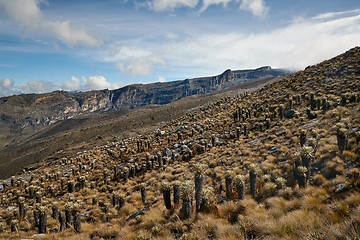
<point x="30" y="112"/>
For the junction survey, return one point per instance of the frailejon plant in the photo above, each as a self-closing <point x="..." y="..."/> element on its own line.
<point x="21" y="205"/>
<point x="307" y="157"/>
<point x="186" y="196"/>
<point x="76" y="218"/>
<point x="199" y="182"/>
<point x="176" y="192"/>
<point x="302" y="137"/>
<point x="342" y="139"/>
<point x="302" y="178"/>
<point x="68" y="215"/>
<point x="252" y="179"/>
<point x="143" y="192"/>
<point x="55" y="210"/>
<point x="14" y="225"/>
<point x="229" y="177"/>
<point x="166" y="190"/>
<point x="240" y="186"/>
<point x="280" y="183"/>
<point x="42" y="219"/>
<point x="62" y="221"/>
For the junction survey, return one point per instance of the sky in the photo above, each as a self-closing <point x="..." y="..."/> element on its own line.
<point x="82" y="45"/>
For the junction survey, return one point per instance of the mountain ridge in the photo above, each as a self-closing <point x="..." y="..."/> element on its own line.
<point x="34" y="110"/>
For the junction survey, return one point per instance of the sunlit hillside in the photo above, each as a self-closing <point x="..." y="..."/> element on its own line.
<point x="280" y="162"/>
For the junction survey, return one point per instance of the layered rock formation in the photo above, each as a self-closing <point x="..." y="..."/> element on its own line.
<point x="32" y="111"/>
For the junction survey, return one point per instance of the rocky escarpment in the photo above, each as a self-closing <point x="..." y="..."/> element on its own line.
<point x="33" y="111"/>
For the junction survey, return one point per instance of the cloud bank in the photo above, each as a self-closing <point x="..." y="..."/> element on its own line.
<point x="27" y="14"/>
<point x="303" y="42"/>
<point x="256" y="7"/>
<point x="9" y="87"/>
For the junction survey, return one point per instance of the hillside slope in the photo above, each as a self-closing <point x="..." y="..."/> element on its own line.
<point x="281" y="162"/>
<point x="83" y="132"/>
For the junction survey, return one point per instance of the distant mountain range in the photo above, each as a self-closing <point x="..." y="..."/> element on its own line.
<point x="31" y="112"/>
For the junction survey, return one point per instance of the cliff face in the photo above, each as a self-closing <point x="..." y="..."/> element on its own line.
<point x="30" y="112"/>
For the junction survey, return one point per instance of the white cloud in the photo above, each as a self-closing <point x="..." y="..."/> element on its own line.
<point x="295" y="46"/>
<point x="6" y="84"/>
<point x="161" y="79"/>
<point x="96" y="83"/>
<point x="73" y="84"/>
<point x="207" y="3"/>
<point x="35" y="87"/>
<point x="300" y="43"/>
<point x="27" y="13"/>
<point x="165" y="5"/>
<point x="70" y="34"/>
<point x="9" y="87"/>
<point x="256" y="7"/>
<point x="23" y="12"/>
<point x="171" y="36"/>
<point x="141" y="66"/>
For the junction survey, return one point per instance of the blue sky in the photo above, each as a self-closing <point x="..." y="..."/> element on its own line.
<point x="87" y="44"/>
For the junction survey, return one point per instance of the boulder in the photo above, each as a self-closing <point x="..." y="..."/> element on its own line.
<point x="291" y="113"/>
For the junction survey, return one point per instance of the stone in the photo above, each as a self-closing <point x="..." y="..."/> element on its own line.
<point x="291" y="113"/>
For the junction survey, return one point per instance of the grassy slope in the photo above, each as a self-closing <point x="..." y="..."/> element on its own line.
<point x="70" y="136"/>
<point x="327" y="208"/>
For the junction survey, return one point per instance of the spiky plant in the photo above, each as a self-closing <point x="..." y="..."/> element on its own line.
<point x="159" y="160"/>
<point x="186" y="195"/>
<point x="281" y="111"/>
<point x="307" y="157"/>
<point x="166" y="190"/>
<point x="42" y="219"/>
<point x="14" y="225"/>
<point x="21" y="205"/>
<point x="267" y="123"/>
<point x="252" y="179"/>
<point x="148" y="165"/>
<point x="76" y="218"/>
<point x="207" y="200"/>
<point x="342" y="139"/>
<point x="2" y="227"/>
<point x="94" y="199"/>
<point x="302" y="137"/>
<point x="36" y="214"/>
<point x="176" y="192"/>
<point x="280" y="183"/>
<point x="199" y="182"/>
<point x="143" y="192"/>
<point x="115" y="199"/>
<point x="68" y="215"/>
<point x="302" y="179"/>
<point x="55" y="210"/>
<point x="12" y="181"/>
<point x="62" y="221"/>
<point x="125" y="174"/>
<point x="70" y="186"/>
<point x="245" y="126"/>
<point x="229" y="178"/>
<point x="38" y="196"/>
<point x="357" y="137"/>
<point x="343" y="100"/>
<point x="240" y="186"/>
<point x="82" y="182"/>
